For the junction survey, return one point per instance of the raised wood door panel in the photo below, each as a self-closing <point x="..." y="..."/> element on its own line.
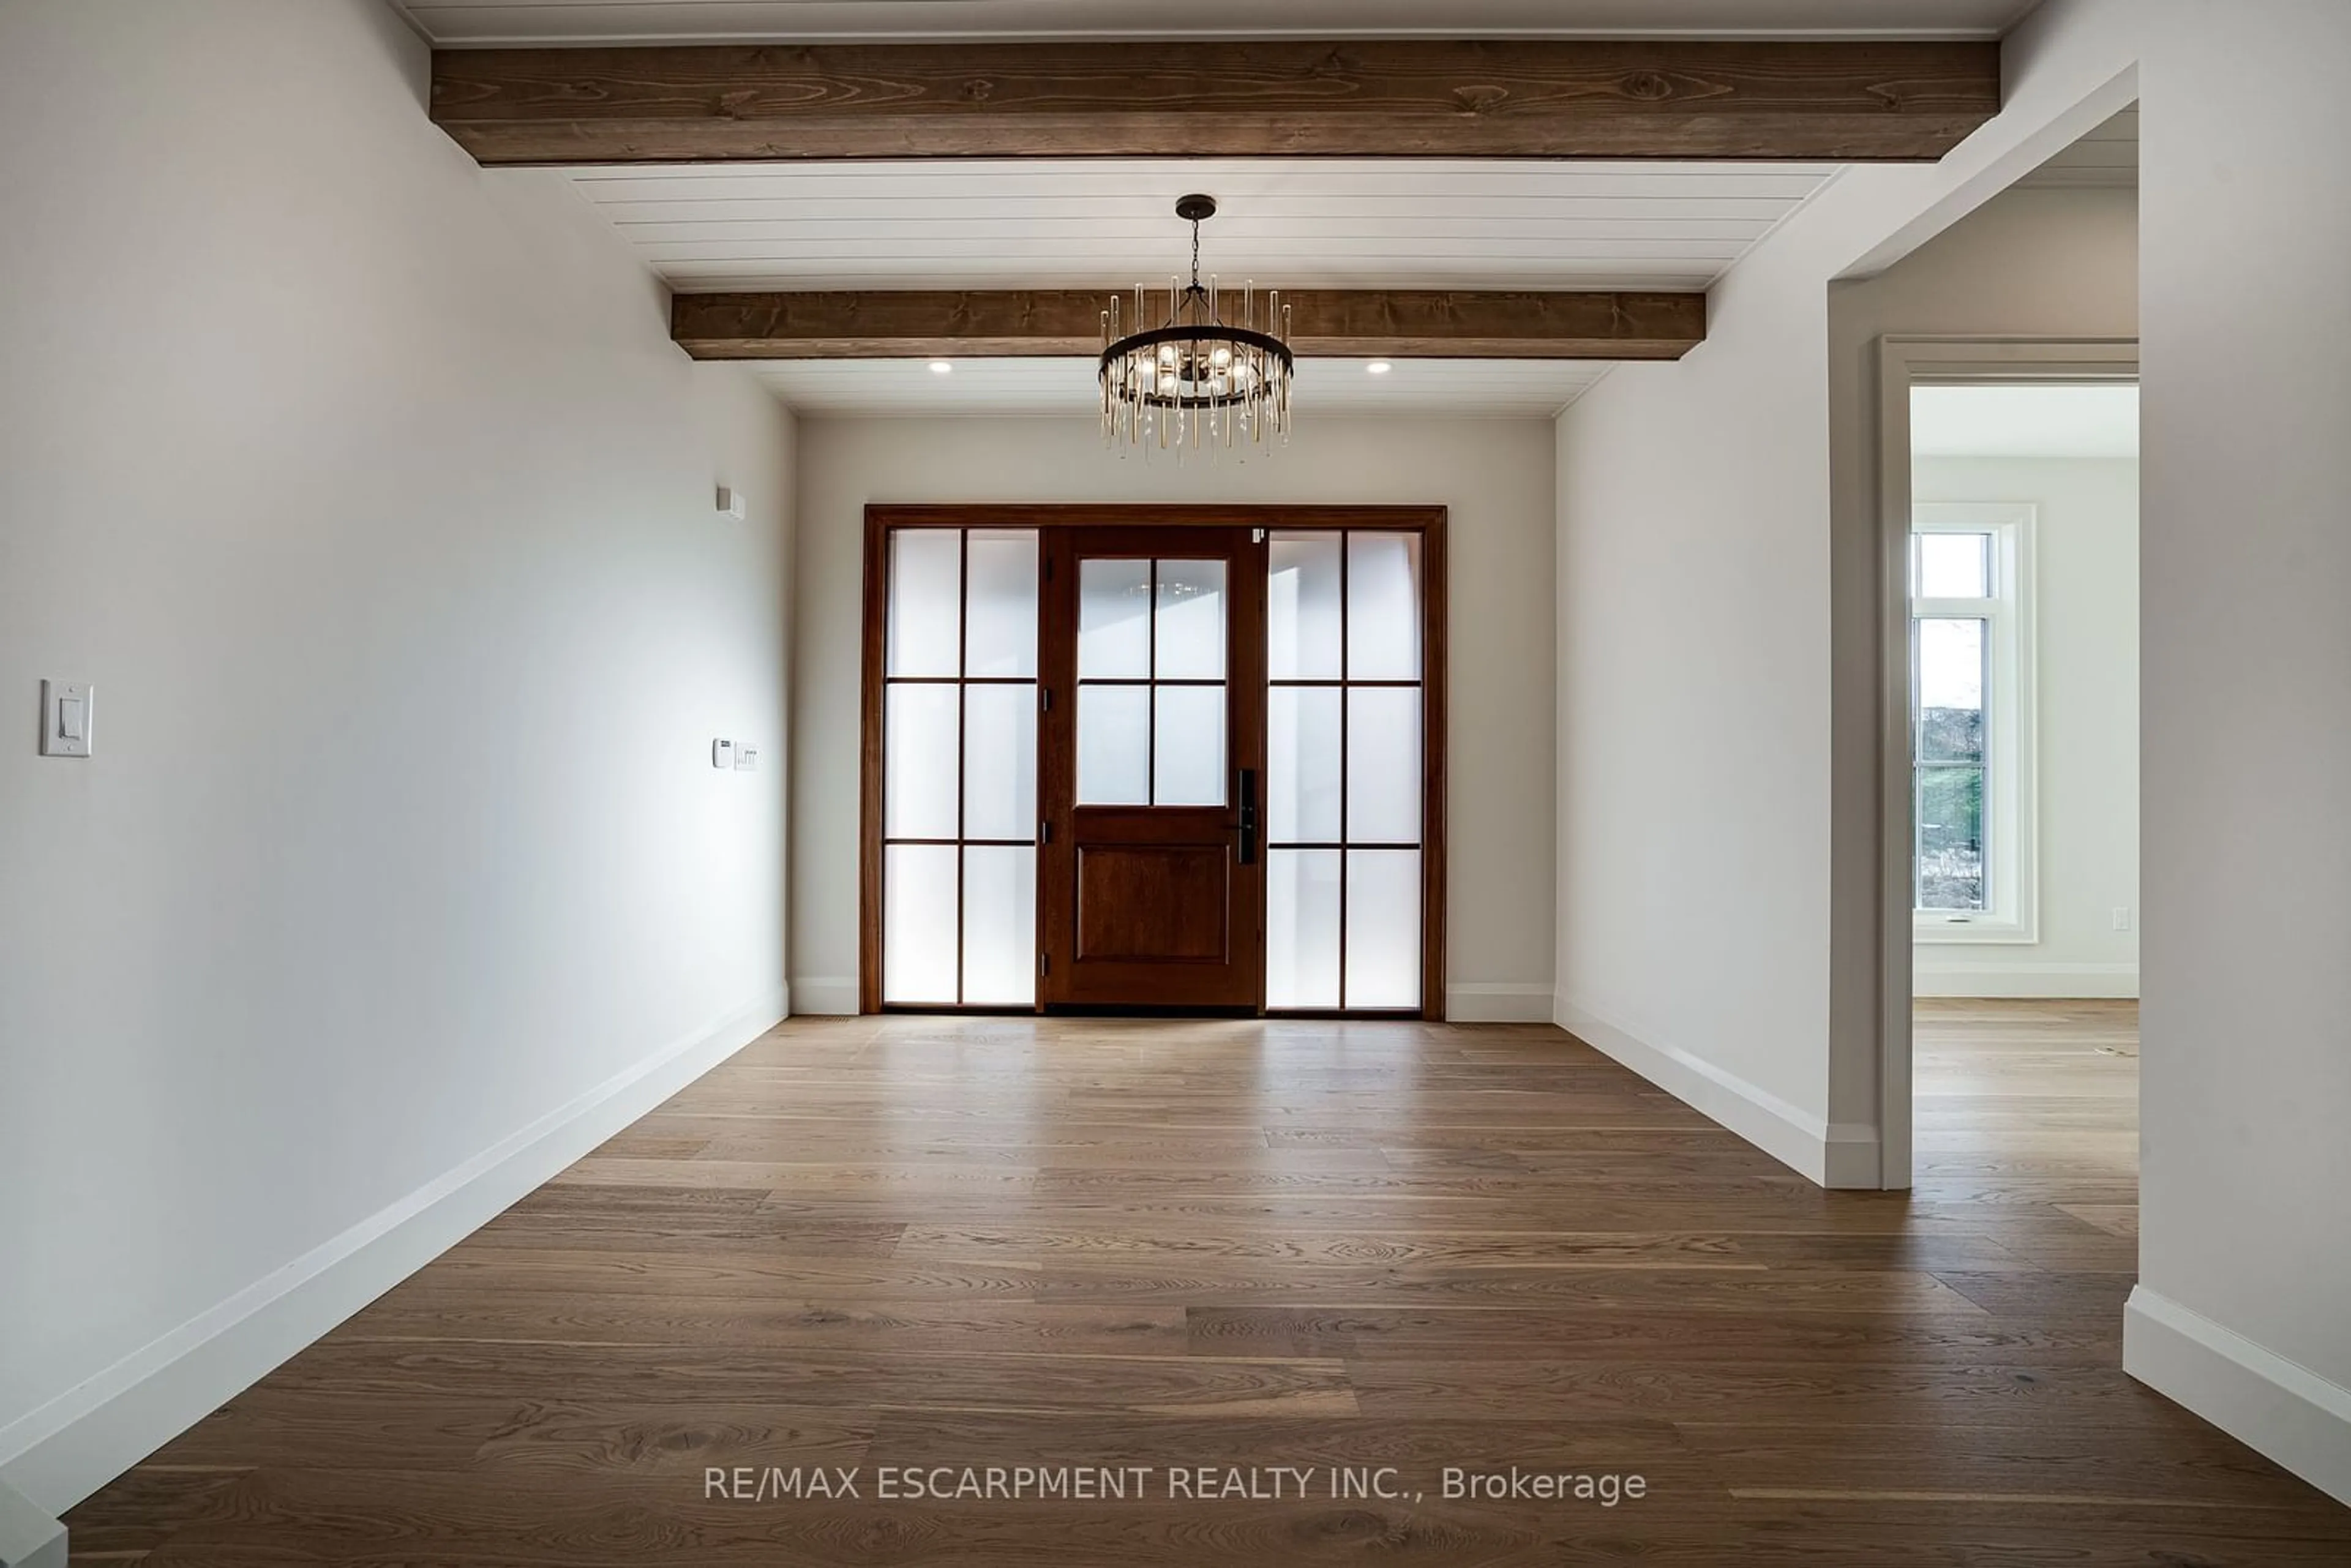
<point x="1149" y="895"/>
<point x="1155" y="902"/>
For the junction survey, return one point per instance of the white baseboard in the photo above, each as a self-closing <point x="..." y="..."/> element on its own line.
<point x="2024" y="981"/>
<point x="1837" y="1155"/>
<point x="75" y="1444"/>
<point x="824" y="995"/>
<point x="2276" y="1407"/>
<point x="29" y="1538"/>
<point x="1492" y="1001"/>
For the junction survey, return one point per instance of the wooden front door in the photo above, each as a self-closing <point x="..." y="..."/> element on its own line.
<point x="1151" y="884"/>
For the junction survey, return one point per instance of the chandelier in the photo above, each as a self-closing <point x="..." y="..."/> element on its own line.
<point x="1195" y="381"/>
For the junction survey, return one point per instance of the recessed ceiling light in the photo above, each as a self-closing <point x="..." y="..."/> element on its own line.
<point x="1379" y="367"/>
<point x="941" y="367"/>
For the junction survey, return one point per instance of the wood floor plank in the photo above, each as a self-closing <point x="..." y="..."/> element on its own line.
<point x="1224" y="1247"/>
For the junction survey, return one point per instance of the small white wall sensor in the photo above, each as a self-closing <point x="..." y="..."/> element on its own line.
<point x="722" y="754"/>
<point x="66" y="719"/>
<point x="732" y="504"/>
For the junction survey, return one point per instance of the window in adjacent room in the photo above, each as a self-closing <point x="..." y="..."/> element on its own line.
<point x="1972" y="721"/>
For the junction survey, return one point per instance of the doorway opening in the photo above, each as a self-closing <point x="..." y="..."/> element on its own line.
<point x="1145" y="758"/>
<point x="2012" y="853"/>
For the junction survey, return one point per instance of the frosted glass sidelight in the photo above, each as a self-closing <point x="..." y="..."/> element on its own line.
<point x="1384" y="928"/>
<point x="918" y="791"/>
<point x="1000" y="762"/>
<point x="1001" y="639"/>
<point x="1114" y="620"/>
<point x="1303" y="608"/>
<point x="1000" y="926"/>
<point x="1188" y="753"/>
<point x="1113" y="745"/>
<point x="1384" y="607"/>
<point x="1191" y="641"/>
<point x="1301" y="765"/>
<point x="926" y="602"/>
<point x="1384" y="765"/>
<point x="918" y="923"/>
<point x="1302" y="928"/>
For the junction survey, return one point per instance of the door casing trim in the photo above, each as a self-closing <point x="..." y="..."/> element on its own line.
<point x="882" y="518"/>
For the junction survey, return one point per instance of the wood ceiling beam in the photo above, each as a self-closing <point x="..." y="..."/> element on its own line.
<point x="1372" y="323"/>
<point x="1837" y="100"/>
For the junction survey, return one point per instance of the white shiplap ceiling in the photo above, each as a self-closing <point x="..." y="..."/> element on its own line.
<point x="1058" y="386"/>
<point x="1310" y="224"/>
<point x="493" y="21"/>
<point x="1292" y="223"/>
<point x="1288" y="224"/>
<point x="1285" y="223"/>
<point x="1364" y="224"/>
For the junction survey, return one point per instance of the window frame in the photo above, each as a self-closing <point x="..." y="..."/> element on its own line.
<point x="2011" y="914"/>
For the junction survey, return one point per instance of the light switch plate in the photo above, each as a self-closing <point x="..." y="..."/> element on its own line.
<point x="746" y="759"/>
<point x="66" y="708"/>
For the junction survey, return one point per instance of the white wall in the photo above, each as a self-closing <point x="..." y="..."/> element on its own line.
<point x="2245" y="1085"/>
<point x="2245" y="1073"/>
<point x="1701" y="613"/>
<point x="1494" y="474"/>
<point x="369" y="492"/>
<point x="2085" y="669"/>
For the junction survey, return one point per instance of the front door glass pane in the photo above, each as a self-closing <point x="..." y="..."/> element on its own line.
<point x="1188" y="748"/>
<point x="1191" y="631"/>
<point x="1114" y="620"/>
<point x="1113" y="745"/>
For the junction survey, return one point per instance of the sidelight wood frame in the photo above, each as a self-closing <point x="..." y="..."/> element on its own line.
<point x="882" y="519"/>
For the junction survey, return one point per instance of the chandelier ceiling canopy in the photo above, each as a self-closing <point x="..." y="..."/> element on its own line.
<point x="1188" y="380"/>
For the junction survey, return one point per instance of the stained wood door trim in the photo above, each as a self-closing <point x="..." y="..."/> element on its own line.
<point x="1430" y="522"/>
<point x="1193" y="842"/>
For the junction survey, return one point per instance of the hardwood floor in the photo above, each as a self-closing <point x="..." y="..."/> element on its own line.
<point x="920" y="1242"/>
